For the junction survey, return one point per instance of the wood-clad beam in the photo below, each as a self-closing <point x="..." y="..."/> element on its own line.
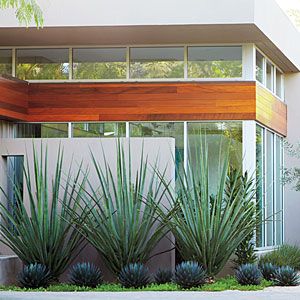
<point x="167" y="101"/>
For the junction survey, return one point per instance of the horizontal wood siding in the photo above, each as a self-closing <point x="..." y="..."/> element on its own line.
<point x="168" y="101"/>
<point x="142" y="101"/>
<point x="13" y="99"/>
<point x="270" y="111"/>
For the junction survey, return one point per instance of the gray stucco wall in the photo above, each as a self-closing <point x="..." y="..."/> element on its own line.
<point x="292" y="198"/>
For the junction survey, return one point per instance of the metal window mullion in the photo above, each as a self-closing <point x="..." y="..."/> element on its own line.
<point x="185" y="59"/>
<point x="127" y="63"/>
<point x="127" y="131"/>
<point x="13" y="56"/>
<point x="70" y="130"/>
<point x="70" y="63"/>
<point x="274" y="190"/>
<point x="265" y="188"/>
<point x="185" y="145"/>
<point x="264" y="71"/>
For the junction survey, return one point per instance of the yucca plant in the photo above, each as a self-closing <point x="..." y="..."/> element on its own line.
<point x="208" y="228"/>
<point x="39" y="228"/>
<point x="122" y="214"/>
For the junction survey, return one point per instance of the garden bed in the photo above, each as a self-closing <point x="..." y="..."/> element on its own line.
<point x="223" y="284"/>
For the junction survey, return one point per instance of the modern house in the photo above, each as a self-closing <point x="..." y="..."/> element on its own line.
<point x="104" y="69"/>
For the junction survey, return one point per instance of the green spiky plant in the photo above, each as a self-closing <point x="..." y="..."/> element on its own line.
<point x="134" y="276"/>
<point x="209" y="228"/>
<point x="40" y="230"/>
<point x="122" y="214"/>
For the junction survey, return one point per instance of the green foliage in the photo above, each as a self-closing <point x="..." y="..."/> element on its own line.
<point x="34" y="276"/>
<point x="248" y="274"/>
<point x="245" y="252"/>
<point x="189" y="274"/>
<point x="286" y="276"/>
<point x="85" y="274"/>
<point x="285" y="255"/>
<point x="268" y="270"/>
<point x="25" y="10"/>
<point x="43" y="232"/>
<point x="122" y="217"/>
<point x="163" y="276"/>
<point x="228" y="283"/>
<point x="134" y="276"/>
<point x="209" y="228"/>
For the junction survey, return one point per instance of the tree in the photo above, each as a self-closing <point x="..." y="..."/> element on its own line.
<point x="25" y="11"/>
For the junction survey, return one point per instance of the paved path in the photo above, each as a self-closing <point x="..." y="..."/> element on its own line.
<point x="275" y="293"/>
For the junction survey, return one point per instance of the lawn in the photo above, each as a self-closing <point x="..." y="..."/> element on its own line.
<point x="223" y="284"/>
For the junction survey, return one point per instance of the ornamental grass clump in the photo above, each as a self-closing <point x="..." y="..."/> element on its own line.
<point x="285" y="255"/>
<point x="134" y="275"/>
<point x="34" y="276"/>
<point x="41" y="230"/>
<point x="209" y="228"/>
<point x="286" y="276"/>
<point x="248" y="274"/>
<point x="163" y="276"/>
<point x="85" y="274"/>
<point x="189" y="274"/>
<point x="123" y="216"/>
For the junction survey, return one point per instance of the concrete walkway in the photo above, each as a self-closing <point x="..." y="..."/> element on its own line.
<point x="275" y="293"/>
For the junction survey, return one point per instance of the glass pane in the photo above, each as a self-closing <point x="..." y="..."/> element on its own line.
<point x="5" y="62"/>
<point x="42" y="63"/>
<point x="162" y="129"/>
<point x="259" y="67"/>
<point x="215" y="62"/>
<point x="218" y="137"/>
<point x="260" y="160"/>
<point x="279" y="83"/>
<point x="99" y="63"/>
<point x="278" y="191"/>
<point x="99" y="129"/>
<point x="157" y="62"/>
<point x="44" y="130"/>
<point x="270" y="76"/>
<point x="270" y="187"/>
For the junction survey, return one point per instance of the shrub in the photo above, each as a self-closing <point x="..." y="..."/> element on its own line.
<point x="134" y="275"/>
<point x="163" y="276"/>
<point x="85" y="274"/>
<point x="268" y="271"/>
<point x="286" y="276"/>
<point x="248" y="274"/>
<point x="285" y="255"/>
<point x="122" y="215"/>
<point x="34" y="276"/>
<point x="189" y="274"/>
<point x="245" y="252"/>
<point x="204" y="224"/>
<point x="43" y="232"/>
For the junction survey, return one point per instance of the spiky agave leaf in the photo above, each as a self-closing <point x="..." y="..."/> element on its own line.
<point x="134" y="276"/>
<point x="43" y="232"/>
<point x="248" y="274"/>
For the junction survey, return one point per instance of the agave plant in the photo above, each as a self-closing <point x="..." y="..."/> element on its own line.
<point x="42" y="232"/>
<point x="286" y="276"/>
<point x="208" y="228"/>
<point x="123" y="218"/>
<point x="163" y="276"/>
<point x="134" y="276"/>
<point x="248" y="274"/>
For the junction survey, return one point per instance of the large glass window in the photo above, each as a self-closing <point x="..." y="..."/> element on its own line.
<point x="5" y="62"/>
<point x="41" y="130"/>
<point x="269" y="195"/>
<point x="217" y="136"/>
<point x="279" y="84"/>
<point x="259" y="67"/>
<point x="42" y="63"/>
<point x="162" y="129"/>
<point x="99" y="63"/>
<point x="270" y="76"/>
<point x="215" y="62"/>
<point x="98" y="130"/>
<point x="157" y="62"/>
